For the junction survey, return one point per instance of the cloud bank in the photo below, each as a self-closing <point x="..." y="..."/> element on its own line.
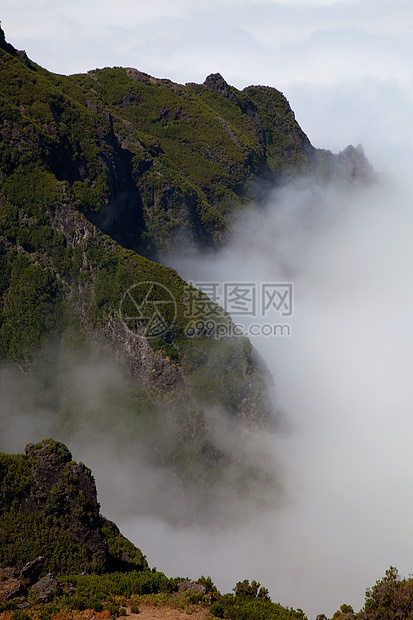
<point x="344" y="379"/>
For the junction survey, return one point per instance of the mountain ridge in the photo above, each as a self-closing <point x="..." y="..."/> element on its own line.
<point x="185" y="155"/>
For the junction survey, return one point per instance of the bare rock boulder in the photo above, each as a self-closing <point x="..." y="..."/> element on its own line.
<point x="47" y="588"/>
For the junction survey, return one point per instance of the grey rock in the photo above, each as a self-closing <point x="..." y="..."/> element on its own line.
<point x="47" y="588"/>
<point x="23" y="605"/>
<point x="32" y="569"/>
<point x="191" y="586"/>
<point x="216" y="83"/>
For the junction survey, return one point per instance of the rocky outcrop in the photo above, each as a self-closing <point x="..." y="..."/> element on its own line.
<point x="191" y="586"/>
<point x="31" y="571"/>
<point x="15" y="585"/>
<point x="53" y="499"/>
<point x="349" y="166"/>
<point x="216" y="83"/>
<point x="68" y="490"/>
<point x="46" y="588"/>
<point x="353" y="164"/>
<point x="52" y="466"/>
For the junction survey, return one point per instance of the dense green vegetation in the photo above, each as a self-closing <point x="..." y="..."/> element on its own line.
<point x="251" y="600"/>
<point x="119" y="594"/>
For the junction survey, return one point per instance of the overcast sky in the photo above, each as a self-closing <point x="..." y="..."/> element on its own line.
<point x="346" y="68"/>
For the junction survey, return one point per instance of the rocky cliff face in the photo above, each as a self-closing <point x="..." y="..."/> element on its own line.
<point x="67" y="490"/>
<point x="49" y="508"/>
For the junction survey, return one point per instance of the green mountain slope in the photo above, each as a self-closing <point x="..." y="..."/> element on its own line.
<point x="100" y="174"/>
<point x="151" y="162"/>
<point x="65" y="178"/>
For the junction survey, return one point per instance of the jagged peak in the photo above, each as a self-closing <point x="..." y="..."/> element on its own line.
<point x="355" y="164"/>
<point x="216" y="83"/>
